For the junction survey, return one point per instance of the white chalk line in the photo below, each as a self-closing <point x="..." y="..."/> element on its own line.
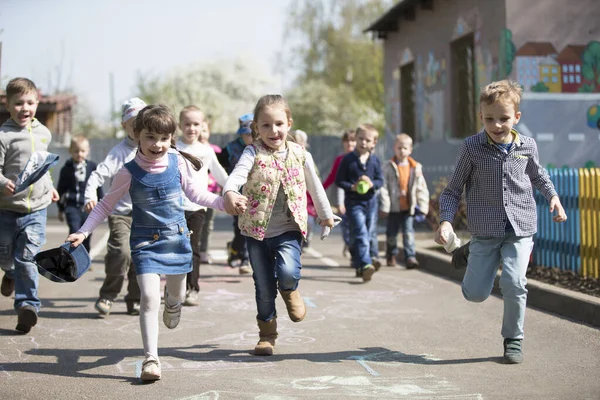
<point x="325" y="260"/>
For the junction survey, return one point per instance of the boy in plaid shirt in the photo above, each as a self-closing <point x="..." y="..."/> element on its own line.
<point x="499" y="168"/>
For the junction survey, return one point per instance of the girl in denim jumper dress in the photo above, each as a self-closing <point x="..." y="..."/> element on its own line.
<point x="159" y="240"/>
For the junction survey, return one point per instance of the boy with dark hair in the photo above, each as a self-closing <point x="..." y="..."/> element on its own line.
<point x="22" y="214"/>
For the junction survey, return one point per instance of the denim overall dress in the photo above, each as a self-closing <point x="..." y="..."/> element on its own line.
<point x="160" y="242"/>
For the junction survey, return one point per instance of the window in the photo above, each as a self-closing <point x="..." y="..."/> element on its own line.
<point x="577" y="68"/>
<point x="571" y="79"/>
<point x="565" y="79"/>
<point x="463" y="87"/>
<point x="578" y="78"/>
<point x="545" y="79"/>
<point x="565" y="68"/>
<point x="544" y="70"/>
<point x="554" y="70"/>
<point x="571" y="69"/>
<point x="407" y="99"/>
<point x="554" y="79"/>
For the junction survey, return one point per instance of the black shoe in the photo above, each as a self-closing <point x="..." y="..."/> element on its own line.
<point x="513" y="351"/>
<point x="133" y="308"/>
<point x="8" y="286"/>
<point x="27" y="318"/>
<point x="460" y="256"/>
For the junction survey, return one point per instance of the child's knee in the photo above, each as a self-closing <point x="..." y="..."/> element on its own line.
<point x="475" y="296"/>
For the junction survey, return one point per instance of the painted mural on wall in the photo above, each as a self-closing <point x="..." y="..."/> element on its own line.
<point x="563" y="122"/>
<point x="540" y="67"/>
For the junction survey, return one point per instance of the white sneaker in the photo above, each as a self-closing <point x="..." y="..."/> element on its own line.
<point x="171" y="314"/>
<point x="204" y="258"/>
<point x="191" y="298"/>
<point x="245" y="268"/>
<point x="150" y="370"/>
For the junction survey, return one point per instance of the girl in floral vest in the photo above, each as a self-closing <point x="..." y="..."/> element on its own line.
<point x="275" y="174"/>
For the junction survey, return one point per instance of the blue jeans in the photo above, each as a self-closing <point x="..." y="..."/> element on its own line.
<point x="373" y="217"/>
<point x="485" y="256"/>
<point x="362" y="218"/>
<point x="75" y="218"/>
<point x="345" y="226"/>
<point x="275" y="262"/>
<point x="21" y="237"/>
<point x="396" y="221"/>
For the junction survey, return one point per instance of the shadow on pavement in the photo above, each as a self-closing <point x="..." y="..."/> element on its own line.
<point x="65" y="362"/>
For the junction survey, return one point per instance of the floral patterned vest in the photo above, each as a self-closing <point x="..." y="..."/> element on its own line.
<point x="264" y="179"/>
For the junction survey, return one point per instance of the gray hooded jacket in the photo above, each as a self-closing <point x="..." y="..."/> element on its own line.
<point x="16" y="146"/>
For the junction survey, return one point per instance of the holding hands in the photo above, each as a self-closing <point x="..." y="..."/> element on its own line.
<point x="235" y="203"/>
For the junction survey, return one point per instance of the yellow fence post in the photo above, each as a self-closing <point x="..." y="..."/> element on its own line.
<point x="589" y="214"/>
<point x="595" y="222"/>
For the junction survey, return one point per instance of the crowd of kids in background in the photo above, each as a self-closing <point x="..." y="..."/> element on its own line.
<point x="165" y="187"/>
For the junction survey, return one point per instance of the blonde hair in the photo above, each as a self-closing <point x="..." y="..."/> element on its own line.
<point x="502" y="91"/>
<point x="403" y="137"/>
<point x="367" y="128"/>
<point x="77" y="141"/>
<point x="190" y="108"/>
<point x="270" y="100"/>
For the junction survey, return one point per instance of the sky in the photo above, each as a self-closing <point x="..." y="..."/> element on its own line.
<point x="89" y="40"/>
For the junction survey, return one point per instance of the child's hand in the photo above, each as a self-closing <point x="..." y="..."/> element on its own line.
<point x="241" y="203"/>
<point x="9" y="188"/>
<point x="55" y="196"/>
<point x="441" y="235"/>
<point x="235" y="204"/>
<point x="90" y="206"/>
<point x="342" y="209"/>
<point x="61" y="216"/>
<point x="327" y="222"/>
<point x="555" y="204"/>
<point x="76" y="239"/>
<point x="366" y="179"/>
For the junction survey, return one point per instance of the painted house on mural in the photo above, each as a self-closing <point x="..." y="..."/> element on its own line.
<point x="439" y="53"/>
<point x="56" y="112"/>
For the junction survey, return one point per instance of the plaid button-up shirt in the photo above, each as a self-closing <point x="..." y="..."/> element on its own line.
<point x="499" y="186"/>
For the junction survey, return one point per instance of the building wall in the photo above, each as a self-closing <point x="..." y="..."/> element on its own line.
<point x="426" y="41"/>
<point x="565" y="121"/>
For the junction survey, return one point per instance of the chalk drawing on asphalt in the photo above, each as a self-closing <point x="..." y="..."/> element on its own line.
<point x="420" y="387"/>
<point x="134" y="367"/>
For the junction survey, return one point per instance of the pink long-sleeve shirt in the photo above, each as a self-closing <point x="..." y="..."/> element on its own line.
<point x="122" y="181"/>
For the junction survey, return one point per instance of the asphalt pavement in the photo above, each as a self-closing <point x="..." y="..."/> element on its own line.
<point x="407" y="334"/>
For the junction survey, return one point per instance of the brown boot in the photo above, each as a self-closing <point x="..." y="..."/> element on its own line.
<point x="294" y="303"/>
<point x="267" y="334"/>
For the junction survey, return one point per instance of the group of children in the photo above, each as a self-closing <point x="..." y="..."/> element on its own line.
<point x="156" y="208"/>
